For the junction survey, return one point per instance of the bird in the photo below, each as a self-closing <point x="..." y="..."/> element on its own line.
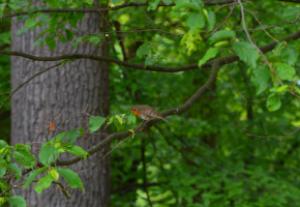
<point x="146" y="112"/>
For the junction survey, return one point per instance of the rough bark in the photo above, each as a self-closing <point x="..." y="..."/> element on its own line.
<point x="62" y="96"/>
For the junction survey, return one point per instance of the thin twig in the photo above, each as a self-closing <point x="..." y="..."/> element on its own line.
<point x="62" y="188"/>
<point x="143" y="67"/>
<point x="263" y="26"/>
<point x="244" y="25"/>
<point x="34" y="76"/>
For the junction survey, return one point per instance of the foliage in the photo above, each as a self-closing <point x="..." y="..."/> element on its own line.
<point x="238" y="146"/>
<point x="20" y="164"/>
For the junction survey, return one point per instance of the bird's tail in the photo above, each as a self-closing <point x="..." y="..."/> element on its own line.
<point x="161" y="118"/>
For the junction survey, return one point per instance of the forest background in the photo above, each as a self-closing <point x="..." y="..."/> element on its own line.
<point x="224" y="73"/>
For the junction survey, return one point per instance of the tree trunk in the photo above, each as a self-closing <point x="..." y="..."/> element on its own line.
<point x="62" y="96"/>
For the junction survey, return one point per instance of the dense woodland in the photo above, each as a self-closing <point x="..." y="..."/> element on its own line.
<point x="222" y="73"/>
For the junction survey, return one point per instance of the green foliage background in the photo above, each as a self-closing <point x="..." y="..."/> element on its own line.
<point x="238" y="145"/>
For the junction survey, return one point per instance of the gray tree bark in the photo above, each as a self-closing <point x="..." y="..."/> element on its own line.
<point x="62" y="95"/>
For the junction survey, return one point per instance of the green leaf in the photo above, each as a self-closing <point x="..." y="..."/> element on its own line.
<point x="131" y="119"/>
<point x="70" y="136"/>
<point x="31" y="22"/>
<point x="51" y="42"/>
<point x="94" y="39"/>
<point x="3" y="144"/>
<point x="260" y="78"/>
<point x="246" y="52"/>
<point x="43" y="183"/>
<point x="77" y="151"/>
<point x="211" y="20"/>
<point x="280" y="89"/>
<point x="17" y="201"/>
<point x="48" y="154"/>
<point x="285" y="71"/>
<point x="273" y="102"/>
<point x="95" y="122"/>
<point x="23" y="156"/>
<point x="3" y="168"/>
<point x="196" y="20"/>
<point x="221" y="35"/>
<point x="116" y="1"/>
<point x="290" y="56"/>
<point x="3" y="201"/>
<point x="120" y="119"/>
<point x="89" y="2"/>
<point x="71" y="177"/>
<point x="210" y="53"/>
<point x="17" y="172"/>
<point x="153" y="5"/>
<point x="54" y="173"/>
<point x="143" y="50"/>
<point x="189" y="4"/>
<point x="32" y="176"/>
<point x="167" y="2"/>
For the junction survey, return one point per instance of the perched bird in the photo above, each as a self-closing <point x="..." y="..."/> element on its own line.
<point x="146" y="112"/>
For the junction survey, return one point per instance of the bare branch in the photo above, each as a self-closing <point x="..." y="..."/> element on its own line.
<point x="203" y="89"/>
<point x="244" y="25"/>
<point x="63" y="189"/>
<point x="104" y="59"/>
<point x="143" y="67"/>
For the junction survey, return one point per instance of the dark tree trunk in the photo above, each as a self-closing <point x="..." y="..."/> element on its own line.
<point x="62" y="95"/>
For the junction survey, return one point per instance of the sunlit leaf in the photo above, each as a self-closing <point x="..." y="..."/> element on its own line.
<point x="210" y="53"/>
<point x="54" y="174"/>
<point x="43" y="183"/>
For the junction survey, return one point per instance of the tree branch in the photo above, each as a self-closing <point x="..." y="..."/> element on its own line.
<point x="204" y="88"/>
<point x="104" y="59"/>
<point x="216" y="64"/>
<point x="291" y="1"/>
<point x="143" y="67"/>
<point x="145" y="125"/>
<point x="112" y="8"/>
